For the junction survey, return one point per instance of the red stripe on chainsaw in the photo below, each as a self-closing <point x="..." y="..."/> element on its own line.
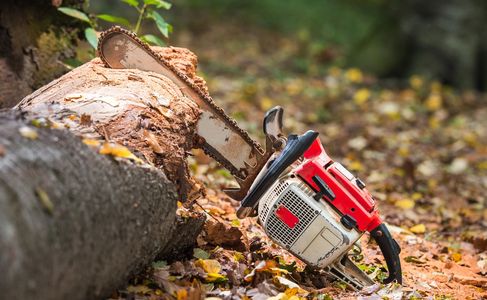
<point x="286" y="216"/>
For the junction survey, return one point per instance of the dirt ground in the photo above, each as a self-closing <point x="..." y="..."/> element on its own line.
<point x="420" y="146"/>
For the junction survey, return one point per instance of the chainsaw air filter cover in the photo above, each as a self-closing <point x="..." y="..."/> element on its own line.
<point x="310" y="229"/>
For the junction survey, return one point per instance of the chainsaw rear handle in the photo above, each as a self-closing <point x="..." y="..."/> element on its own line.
<point x="295" y="147"/>
<point x="390" y="250"/>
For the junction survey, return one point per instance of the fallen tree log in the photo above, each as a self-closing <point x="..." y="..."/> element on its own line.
<point x="75" y="224"/>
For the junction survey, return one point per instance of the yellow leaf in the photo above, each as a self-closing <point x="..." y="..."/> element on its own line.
<point x="73" y="117"/>
<point x="280" y="296"/>
<point x="436" y="87"/>
<point x="482" y="165"/>
<point x="405" y="203"/>
<point x="138" y="289"/>
<point x="334" y="71"/>
<point x="209" y="265"/>
<point x="215" y="277"/>
<point x="28" y="132"/>
<point x="182" y="294"/>
<point x="456" y="257"/>
<point x="361" y="96"/>
<point x="294" y="88"/>
<point x="235" y="223"/>
<point x="45" y="200"/>
<point x="91" y="142"/>
<point x="356" y="166"/>
<point x="291" y="291"/>
<point x="434" y="122"/>
<point x="403" y="151"/>
<point x="420" y="228"/>
<point x="417" y="196"/>
<point x="238" y="256"/>
<point x="56" y="125"/>
<point x="416" y="82"/>
<point x="434" y="102"/>
<point x="118" y="151"/>
<point x="266" y="103"/>
<point x="354" y="75"/>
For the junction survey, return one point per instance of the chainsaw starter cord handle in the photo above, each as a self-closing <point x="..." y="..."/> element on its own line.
<point x="295" y="147"/>
<point x="390" y="250"/>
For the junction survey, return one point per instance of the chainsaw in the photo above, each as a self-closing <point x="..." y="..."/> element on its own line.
<point x="306" y="202"/>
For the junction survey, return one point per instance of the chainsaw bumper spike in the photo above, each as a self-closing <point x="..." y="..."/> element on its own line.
<point x="307" y="203"/>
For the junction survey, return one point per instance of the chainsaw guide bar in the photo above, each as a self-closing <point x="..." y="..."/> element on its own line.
<point x="218" y="135"/>
<point x="306" y="202"/>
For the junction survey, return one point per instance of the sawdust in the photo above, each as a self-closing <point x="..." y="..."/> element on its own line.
<point x="184" y="60"/>
<point x="143" y="111"/>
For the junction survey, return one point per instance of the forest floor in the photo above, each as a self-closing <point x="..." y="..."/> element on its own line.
<point x="421" y="148"/>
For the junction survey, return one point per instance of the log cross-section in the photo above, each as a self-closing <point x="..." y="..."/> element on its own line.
<point x="74" y="223"/>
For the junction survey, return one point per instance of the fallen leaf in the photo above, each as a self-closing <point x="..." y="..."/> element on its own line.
<point x="91" y="142"/>
<point x="405" y="203"/>
<point x="357" y="143"/>
<point x="200" y="253"/>
<point x="45" y="200"/>
<point x="28" y="132"/>
<point x="266" y="103"/>
<point x="223" y="234"/>
<point x="138" y="289"/>
<point x="354" y="75"/>
<point x="182" y="294"/>
<point x="420" y="228"/>
<point x="117" y="150"/>
<point x="458" y="166"/>
<point x="434" y="102"/>
<point x="235" y="223"/>
<point x="361" y="96"/>
<point x="456" y="257"/>
<point x="209" y="265"/>
<point x="414" y="260"/>
<point x="159" y="264"/>
<point x="416" y="82"/>
<point x="40" y="122"/>
<point x="215" y="277"/>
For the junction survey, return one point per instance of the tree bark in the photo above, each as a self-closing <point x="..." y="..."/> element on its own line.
<point x="34" y="40"/>
<point x="75" y="224"/>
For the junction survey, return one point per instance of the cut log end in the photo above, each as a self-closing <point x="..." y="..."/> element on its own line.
<point x="144" y="111"/>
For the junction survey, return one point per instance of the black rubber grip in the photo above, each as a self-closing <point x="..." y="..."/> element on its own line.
<point x="295" y="147"/>
<point x="390" y="250"/>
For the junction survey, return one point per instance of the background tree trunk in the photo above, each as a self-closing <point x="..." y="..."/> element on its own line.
<point x="75" y="224"/>
<point x="34" y="40"/>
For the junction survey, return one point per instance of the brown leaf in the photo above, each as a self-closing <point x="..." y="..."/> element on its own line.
<point x="224" y="235"/>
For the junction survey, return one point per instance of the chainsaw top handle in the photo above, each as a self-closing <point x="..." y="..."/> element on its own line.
<point x="295" y="147"/>
<point x="390" y="250"/>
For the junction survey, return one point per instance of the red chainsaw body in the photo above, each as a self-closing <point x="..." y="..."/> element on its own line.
<point x="351" y="199"/>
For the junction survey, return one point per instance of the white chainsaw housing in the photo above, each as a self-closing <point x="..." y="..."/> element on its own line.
<point x="318" y="238"/>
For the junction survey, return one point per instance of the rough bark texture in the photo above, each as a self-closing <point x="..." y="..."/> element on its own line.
<point x="34" y="40"/>
<point x="74" y="224"/>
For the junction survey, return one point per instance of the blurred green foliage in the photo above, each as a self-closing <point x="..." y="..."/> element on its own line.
<point x="145" y="10"/>
<point x="389" y="38"/>
<point x="443" y="40"/>
<point x="350" y="32"/>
